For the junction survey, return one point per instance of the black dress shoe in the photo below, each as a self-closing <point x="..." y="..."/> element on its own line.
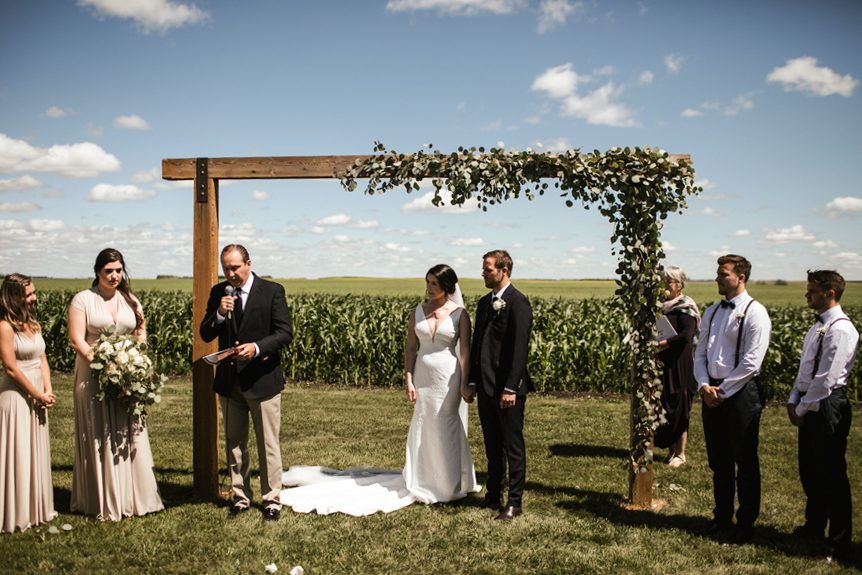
<point x="236" y="509"/>
<point x="271" y="514"/>
<point x="508" y="513"/>
<point x="493" y="502"/>
<point x="807" y="531"/>
<point x="742" y="534"/>
<point x="716" y="530"/>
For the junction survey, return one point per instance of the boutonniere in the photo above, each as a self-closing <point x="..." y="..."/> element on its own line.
<point x="498" y="305"/>
<point x="821" y="331"/>
<point x="739" y="315"/>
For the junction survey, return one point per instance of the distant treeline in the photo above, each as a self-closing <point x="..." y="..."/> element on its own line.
<point x="359" y="340"/>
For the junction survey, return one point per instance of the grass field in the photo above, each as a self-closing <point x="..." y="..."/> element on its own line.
<point x="702" y="291"/>
<point x="574" y="519"/>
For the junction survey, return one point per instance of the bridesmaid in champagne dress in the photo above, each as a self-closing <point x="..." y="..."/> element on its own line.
<point x="113" y="476"/>
<point x="26" y="491"/>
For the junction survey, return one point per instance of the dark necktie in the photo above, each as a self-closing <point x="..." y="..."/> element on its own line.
<point x="237" y="308"/>
<point x="725" y="303"/>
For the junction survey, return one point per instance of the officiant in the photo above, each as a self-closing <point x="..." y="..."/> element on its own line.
<point x="676" y="353"/>
<point x="250" y="315"/>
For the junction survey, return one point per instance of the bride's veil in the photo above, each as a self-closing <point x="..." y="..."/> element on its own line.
<point x="456" y="296"/>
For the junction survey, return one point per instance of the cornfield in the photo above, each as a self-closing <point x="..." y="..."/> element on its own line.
<point x="577" y="345"/>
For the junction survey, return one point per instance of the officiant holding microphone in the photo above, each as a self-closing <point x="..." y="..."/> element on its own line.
<point x="250" y="315"/>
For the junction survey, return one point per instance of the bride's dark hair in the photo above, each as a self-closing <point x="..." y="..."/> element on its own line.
<point x="445" y="276"/>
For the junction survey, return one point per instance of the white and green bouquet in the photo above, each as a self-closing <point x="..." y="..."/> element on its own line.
<point x="125" y="373"/>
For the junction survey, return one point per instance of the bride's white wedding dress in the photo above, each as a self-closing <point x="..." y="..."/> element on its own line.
<point x="438" y="466"/>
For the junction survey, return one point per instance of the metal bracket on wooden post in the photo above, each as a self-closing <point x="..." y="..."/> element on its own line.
<point x="201" y="179"/>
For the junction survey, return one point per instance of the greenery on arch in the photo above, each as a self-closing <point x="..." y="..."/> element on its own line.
<point x="634" y="188"/>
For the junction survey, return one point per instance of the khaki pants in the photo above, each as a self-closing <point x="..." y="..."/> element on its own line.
<point x="266" y="418"/>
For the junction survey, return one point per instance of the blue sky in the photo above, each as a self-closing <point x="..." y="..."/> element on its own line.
<point x="764" y="95"/>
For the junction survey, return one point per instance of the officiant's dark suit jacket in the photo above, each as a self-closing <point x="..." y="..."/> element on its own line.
<point x="501" y="342"/>
<point x="266" y="322"/>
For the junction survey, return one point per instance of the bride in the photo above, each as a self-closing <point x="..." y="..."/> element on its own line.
<point x="438" y="465"/>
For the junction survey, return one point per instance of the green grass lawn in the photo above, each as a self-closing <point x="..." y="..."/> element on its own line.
<point x="574" y="519"/>
<point x="770" y="294"/>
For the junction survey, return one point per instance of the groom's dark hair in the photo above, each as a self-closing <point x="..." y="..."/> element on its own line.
<point x="445" y="276"/>
<point x="502" y="259"/>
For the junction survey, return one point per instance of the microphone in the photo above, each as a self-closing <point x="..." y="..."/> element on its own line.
<point x="228" y="290"/>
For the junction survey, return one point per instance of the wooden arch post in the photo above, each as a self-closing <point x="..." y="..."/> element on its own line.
<point x="206" y="172"/>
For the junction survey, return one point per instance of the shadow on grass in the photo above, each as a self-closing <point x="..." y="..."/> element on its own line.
<point x="610" y="506"/>
<point x="580" y="450"/>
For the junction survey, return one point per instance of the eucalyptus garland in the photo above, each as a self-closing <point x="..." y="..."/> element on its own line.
<point x="634" y="188"/>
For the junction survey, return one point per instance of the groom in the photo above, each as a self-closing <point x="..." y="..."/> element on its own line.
<point x="249" y="314"/>
<point x="498" y="374"/>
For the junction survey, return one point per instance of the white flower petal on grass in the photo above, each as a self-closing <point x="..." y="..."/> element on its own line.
<point x="271" y="568"/>
<point x="297" y="570"/>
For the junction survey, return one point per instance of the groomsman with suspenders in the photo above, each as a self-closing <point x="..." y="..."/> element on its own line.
<point x="733" y="340"/>
<point x="818" y="406"/>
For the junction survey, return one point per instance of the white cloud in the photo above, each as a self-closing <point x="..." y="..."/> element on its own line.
<point x="707" y="211"/>
<point x="93" y="130"/>
<point x="147" y="176"/>
<point x="842" y="205"/>
<point x="582" y="250"/>
<point x="259" y="196"/>
<point x="741" y="103"/>
<point x="704" y="183"/>
<point x="55" y="112"/>
<point x="19" y="207"/>
<point x="673" y="63"/>
<point x="791" y="234"/>
<point x="423" y="204"/>
<point x="131" y="122"/>
<point x="646" y="77"/>
<point x="825" y="244"/>
<point x="558" y="82"/>
<point x="804" y="75"/>
<point x="342" y="239"/>
<point x="533" y="120"/>
<point x="318" y="229"/>
<point x="741" y="233"/>
<point x="456" y="7"/>
<point x="364" y="224"/>
<point x="605" y="71"/>
<point x="25" y="182"/>
<point x="553" y="13"/>
<point x="121" y="193"/>
<point x="392" y="246"/>
<point x="668" y="247"/>
<point x="691" y="113"/>
<point x="150" y="15"/>
<point x="334" y="220"/>
<point x="467" y="242"/>
<point x="598" y="107"/>
<point x="492" y="126"/>
<point x="556" y="145"/>
<point x="70" y="160"/>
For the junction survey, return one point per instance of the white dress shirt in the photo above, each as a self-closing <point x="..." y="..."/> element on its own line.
<point x="838" y="351"/>
<point x="715" y="355"/>
<point x="243" y="295"/>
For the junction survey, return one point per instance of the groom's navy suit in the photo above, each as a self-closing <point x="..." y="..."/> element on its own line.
<point x="498" y="364"/>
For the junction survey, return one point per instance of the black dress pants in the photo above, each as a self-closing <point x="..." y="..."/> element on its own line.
<point x="731" y="430"/>
<point x="823" y="470"/>
<point x="503" y="433"/>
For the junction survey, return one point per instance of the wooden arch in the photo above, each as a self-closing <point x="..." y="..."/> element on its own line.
<point x="206" y="173"/>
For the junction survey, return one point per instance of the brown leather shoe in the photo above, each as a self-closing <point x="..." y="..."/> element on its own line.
<point x="508" y="513"/>
<point x="271" y="514"/>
